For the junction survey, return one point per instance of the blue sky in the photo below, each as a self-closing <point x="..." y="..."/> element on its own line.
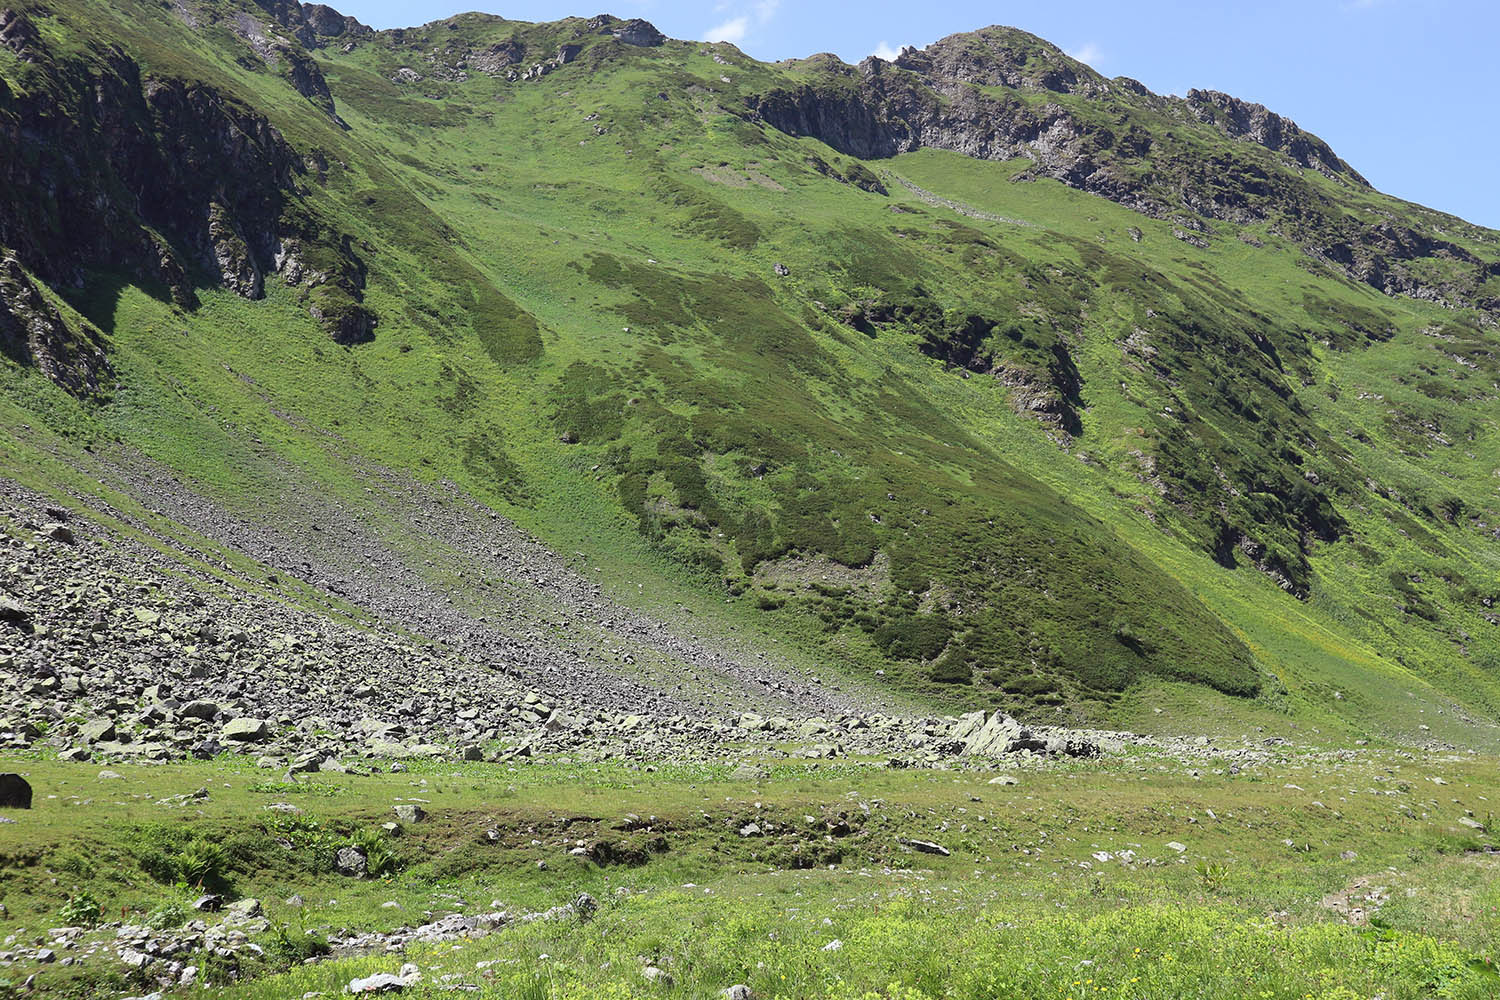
<point x="1405" y="90"/>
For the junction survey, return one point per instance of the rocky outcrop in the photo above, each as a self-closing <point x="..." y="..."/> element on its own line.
<point x="168" y="182"/>
<point x="1254" y="122"/>
<point x="18" y="34"/>
<point x="34" y="333"/>
<point x="323" y="23"/>
<point x="1000" y="94"/>
<point x="636" y="32"/>
<point x="314" y="24"/>
<point x="287" y="56"/>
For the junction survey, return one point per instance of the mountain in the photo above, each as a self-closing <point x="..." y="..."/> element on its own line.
<point x="973" y="378"/>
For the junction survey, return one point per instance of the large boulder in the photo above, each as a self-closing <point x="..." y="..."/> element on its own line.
<point x="15" y="792"/>
<point x="14" y="612"/>
<point x="636" y="32"/>
<point x="246" y="730"/>
<point x="97" y="731"/>
<point x="351" y="861"/>
<point x="201" y="709"/>
<point x="995" y="737"/>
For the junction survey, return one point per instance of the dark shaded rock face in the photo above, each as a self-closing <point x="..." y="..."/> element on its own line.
<point x="32" y="332"/>
<point x="1000" y="94"/>
<point x="169" y="183"/>
<point x="325" y="22"/>
<point x="15" y="792"/>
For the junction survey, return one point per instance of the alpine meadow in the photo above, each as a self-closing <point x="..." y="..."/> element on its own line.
<point x="551" y="511"/>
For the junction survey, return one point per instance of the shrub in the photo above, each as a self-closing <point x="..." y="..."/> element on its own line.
<point x="202" y="863"/>
<point x="166" y="917"/>
<point x="380" y="860"/>
<point x="82" y="910"/>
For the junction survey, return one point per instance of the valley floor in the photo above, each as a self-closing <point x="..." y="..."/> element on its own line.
<point x="1146" y="874"/>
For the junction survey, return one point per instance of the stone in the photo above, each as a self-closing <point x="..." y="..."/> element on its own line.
<point x="15" y="792"/>
<point x="410" y="813"/>
<point x="1003" y="779"/>
<point x="59" y="532"/>
<point x="97" y="731"/>
<point x="351" y="862"/>
<point x="14" y="612"/>
<point x="781" y="270"/>
<point x="76" y="755"/>
<point x="209" y="903"/>
<point x="380" y="982"/>
<point x="585" y="905"/>
<point x="995" y="737"/>
<point x="1175" y="846"/>
<point x="739" y="991"/>
<point x="747" y="772"/>
<point x="927" y="847"/>
<point x="208" y="711"/>
<point x="750" y="830"/>
<point x="636" y="32"/>
<point x="246" y="730"/>
<point x="1471" y="823"/>
<point x="308" y="762"/>
<point x="242" y="909"/>
<point x="657" y="976"/>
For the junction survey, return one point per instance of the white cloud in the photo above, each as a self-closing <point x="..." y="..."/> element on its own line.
<point x="1088" y="52"/>
<point x="735" y="29"/>
<point x="886" y="52"/>
<point x="732" y="31"/>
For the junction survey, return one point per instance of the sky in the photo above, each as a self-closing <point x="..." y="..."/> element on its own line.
<point x="1404" y="90"/>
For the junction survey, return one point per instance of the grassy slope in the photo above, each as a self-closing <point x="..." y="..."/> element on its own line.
<point x="499" y="197"/>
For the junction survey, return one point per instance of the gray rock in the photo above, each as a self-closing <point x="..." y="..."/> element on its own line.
<point x="242" y="909"/>
<point x="209" y="903"/>
<point x="585" y="905"/>
<point x="927" y="847"/>
<point x="97" y="731"/>
<point x="380" y="982"/>
<point x="13" y="611"/>
<point x="15" y="792"/>
<point x="636" y="32"/>
<point x="208" y="711"/>
<point x="747" y="772"/>
<point x="351" y="862"/>
<point x="59" y="533"/>
<point x="739" y="991"/>
<point x="410" y="813"/>
<point x="995" y="737"/>
<point x="246" y="730"/>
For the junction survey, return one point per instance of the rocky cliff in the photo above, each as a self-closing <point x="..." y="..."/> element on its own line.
<point x="166" y="180"/>
<point x="1000" y="94"/>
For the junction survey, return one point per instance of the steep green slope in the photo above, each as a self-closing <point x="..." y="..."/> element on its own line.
<point x="965" y="422"/>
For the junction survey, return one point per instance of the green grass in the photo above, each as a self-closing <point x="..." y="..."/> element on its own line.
<point x="1026" y="905"/>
